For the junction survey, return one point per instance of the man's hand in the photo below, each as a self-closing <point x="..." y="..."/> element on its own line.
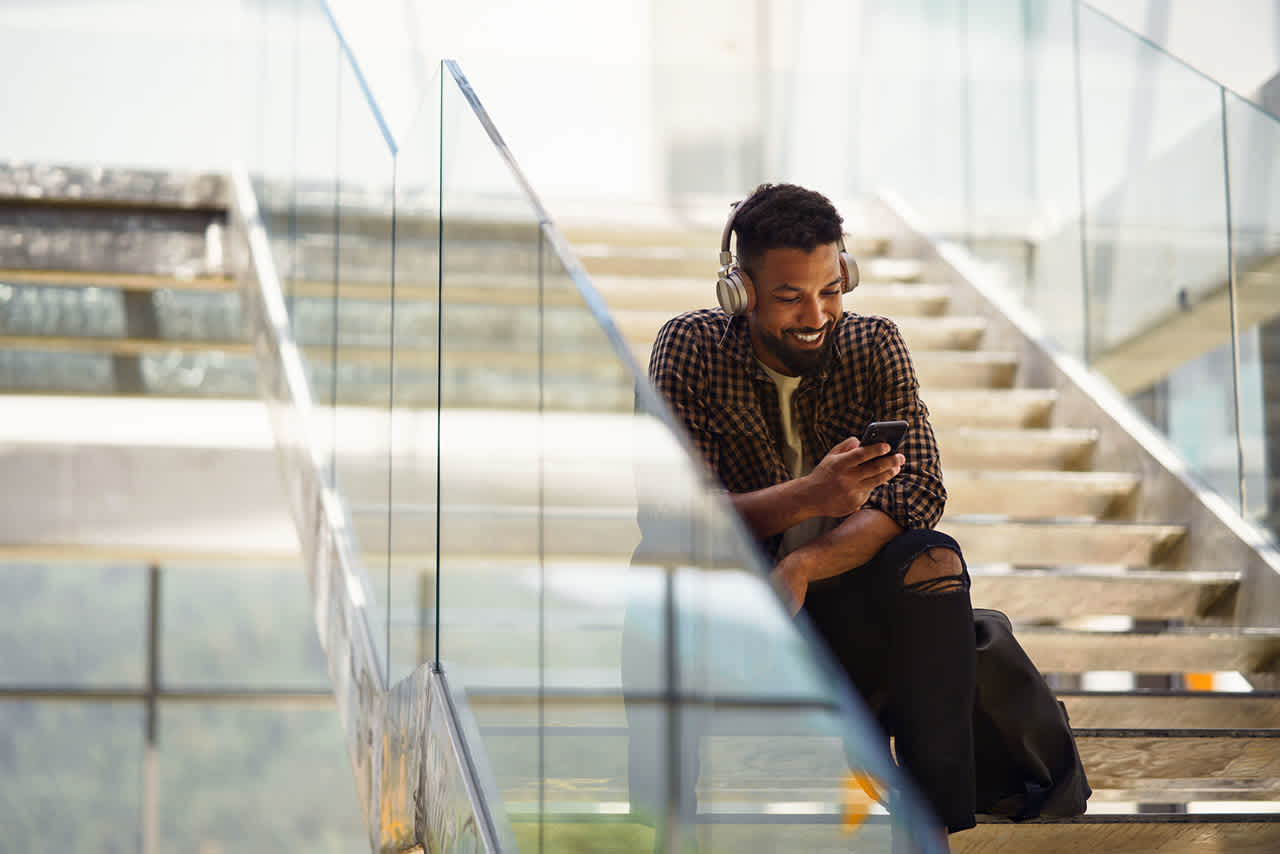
<point x="842" y="481"/>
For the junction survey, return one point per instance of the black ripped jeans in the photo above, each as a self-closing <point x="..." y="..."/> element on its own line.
<point x="910" y="651"/>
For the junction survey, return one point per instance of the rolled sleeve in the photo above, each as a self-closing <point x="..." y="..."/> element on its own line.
<point x="916" y="497"/>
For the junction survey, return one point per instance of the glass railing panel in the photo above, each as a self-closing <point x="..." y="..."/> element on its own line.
<point x="1159" y="323"/>
<point x="107" y="647"/>
<point x="619" y="615"/>
<point x="1253" y="151"/>
<point x="1055" y="289"/>
<point x="412" y="579"/>
<point x="493" y="341"/>
<point x="79" y="758"/>
<point x="1155" y="244"/>
<point x="490" y="398"/>
<point x="362" y="342"/>
<point x="288" y="763"/>
<point x="239" y="628"/>
<point x="305" y="233"/>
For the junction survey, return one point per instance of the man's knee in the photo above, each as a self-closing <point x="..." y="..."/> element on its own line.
<point x="938" y="570"/>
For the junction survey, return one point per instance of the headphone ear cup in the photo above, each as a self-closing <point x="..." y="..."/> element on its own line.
<point x="735" y="292"/>
<point x="848" y="272"/>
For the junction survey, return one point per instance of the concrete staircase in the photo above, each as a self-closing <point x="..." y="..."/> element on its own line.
<point x="117" y="284"/>
<point x="1053" y="542"/>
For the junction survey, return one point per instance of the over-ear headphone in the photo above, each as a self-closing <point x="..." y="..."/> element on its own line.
<point x="736" y="293"/>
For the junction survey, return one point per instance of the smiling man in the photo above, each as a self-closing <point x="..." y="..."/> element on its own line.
<point x="774" y="388"/>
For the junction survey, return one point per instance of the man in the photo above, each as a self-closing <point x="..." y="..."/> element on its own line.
<point x="774" y="388"/>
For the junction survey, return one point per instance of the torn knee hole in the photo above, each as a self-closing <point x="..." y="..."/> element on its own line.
<point x="936" y="571"/>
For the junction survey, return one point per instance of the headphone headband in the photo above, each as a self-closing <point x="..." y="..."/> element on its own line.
<point x="726" y="257"/>
<point x="734" y="290"/>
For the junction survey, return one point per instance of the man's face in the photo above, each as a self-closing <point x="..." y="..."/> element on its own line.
<point x="798" y="301"/>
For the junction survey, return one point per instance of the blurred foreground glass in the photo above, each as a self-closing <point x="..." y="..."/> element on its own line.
<point x="629" y="670"/>
<point x="415" y="394"/>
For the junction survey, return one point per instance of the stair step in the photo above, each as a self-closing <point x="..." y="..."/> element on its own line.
<point x="89" y="185"/>
<point x="1184" y="709"/>
<point x="1127" y="833"/>
<point x="1173" y="759"/>
<point x="123" y="281"/>
<point x="121" y="346"/>
<point x="166" y="242"/>
<point x="1028" y="594"/>
<point x="1036" y="494"/>
<point x="1013" y="450"/>
<point x="1184" y="650"/>
<point x="990" y="409"/>
<point x="1058" y="543"/>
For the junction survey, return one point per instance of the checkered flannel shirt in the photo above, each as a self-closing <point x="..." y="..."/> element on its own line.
<point x="729" y="406"/>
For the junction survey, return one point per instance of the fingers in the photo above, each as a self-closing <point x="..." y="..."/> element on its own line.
<point x="849" y="444"/>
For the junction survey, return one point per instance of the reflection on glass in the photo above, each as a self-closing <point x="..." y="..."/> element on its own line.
<point x="107" y="607"/>
<point x="1259" y="348"/>
<point x="65" y="759"/>
<point x="239" y="628"/>
<point x="1157" y="241"/>
<point x="1158" y="307"/>
<point x="1198" y="404"/>
<point x="1254" y="154"/>
<point x="289" y="764"/>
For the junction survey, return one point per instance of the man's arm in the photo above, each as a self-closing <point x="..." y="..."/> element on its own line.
<point x="851" y="543"/>
<point x="838" y="486"/>
<point x="913" y="499"/>
<point x="916" y="498"/>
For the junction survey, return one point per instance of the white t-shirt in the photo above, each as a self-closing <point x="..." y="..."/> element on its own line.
<point x="797" y="461"/>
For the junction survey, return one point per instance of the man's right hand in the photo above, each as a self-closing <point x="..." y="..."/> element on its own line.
<point x="842" y="481"/>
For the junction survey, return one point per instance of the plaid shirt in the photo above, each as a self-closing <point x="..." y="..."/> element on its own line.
<point x="729" y="406"/>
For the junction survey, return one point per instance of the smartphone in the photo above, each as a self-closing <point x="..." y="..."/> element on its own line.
<point x="884" y="431"/>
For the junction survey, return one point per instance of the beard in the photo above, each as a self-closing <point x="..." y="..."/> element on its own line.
<point x="799" y="362"/>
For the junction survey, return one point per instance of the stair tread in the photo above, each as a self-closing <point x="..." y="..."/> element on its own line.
<point x="119" y="186"/>
<point x="1088" y="592"/>
<point x="1173" y="709"/>
<point x="1187" y="649"/>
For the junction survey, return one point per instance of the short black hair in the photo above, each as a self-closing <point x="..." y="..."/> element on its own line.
<point x="778" y="216"/>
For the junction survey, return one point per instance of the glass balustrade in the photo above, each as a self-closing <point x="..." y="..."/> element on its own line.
<point x="1139" y="191"/>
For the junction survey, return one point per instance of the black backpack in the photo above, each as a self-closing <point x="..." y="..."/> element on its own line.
<point x="1026" y="757"/>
